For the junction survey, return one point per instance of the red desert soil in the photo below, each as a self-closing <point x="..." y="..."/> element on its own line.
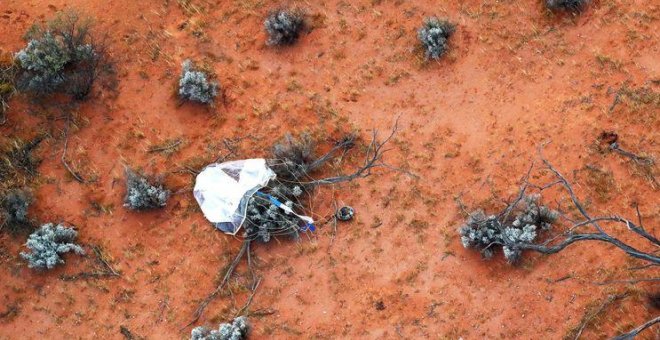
<point x="470" y="125"/>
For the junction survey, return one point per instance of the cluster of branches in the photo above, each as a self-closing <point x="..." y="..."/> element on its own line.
<point x="588" y="228"/>
<point x="570" y="236"/>
<point x="294" y="163"/>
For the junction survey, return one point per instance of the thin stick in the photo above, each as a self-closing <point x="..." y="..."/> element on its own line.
<point x="585" y="322"/>
<point x="652" y="279"/>
<point x="249" y="300"/>
<point x="633" y="333"/>
<point x="568" y="188"/>
<point x="75" y="175"/>
<point x="165" y="147"/>
<point x="100" y="257"/>
<point x="202" y="306"/>
<point x="636" y="158"/>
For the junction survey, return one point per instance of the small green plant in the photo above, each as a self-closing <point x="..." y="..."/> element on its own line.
<point x="284" y="26"/>
<point x="434" y="37"/>
<point x="48" y="243"/>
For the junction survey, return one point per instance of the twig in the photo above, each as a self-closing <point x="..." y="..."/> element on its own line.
<point x="373" y="159"/>
<point x="100" y="257"/>
<point x="262" y="312"/>
<point x="633" y="333"/>
<point x="589" y="317"/>
<point x="642" y="267"/>
<point x="647" y="161"/>
<point x="163" y="305"/>
<point x="563" y="278"/>
<point x="617" y="100"/>
<point x="165" y="147"/>
<point x="521" y="195"/>
<point x="202" y="306"/>
<point x="590" y="237"/>
<point x="652" y="279"/>
<point x="75" y="175"/>
<point x="568" y="187"/>
<point x="108" y="272"/>
<point x="249" y="300"/>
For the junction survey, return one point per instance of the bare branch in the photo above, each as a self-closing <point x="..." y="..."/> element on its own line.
<point x="202" y="306"/>
<point x="651" y="279"/>
<point x="588" y="318"/>
<point x="602" y="237"/>
<point x="75" y="175"/>
<point x="633" y="333"/>
<point x="568" y="187"/>
<point x="373" y="159"/>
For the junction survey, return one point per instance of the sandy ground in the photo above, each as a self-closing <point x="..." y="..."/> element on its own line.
<point x="470" y="125"/>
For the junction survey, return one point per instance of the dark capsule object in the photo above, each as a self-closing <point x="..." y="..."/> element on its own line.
<point x="345" y="213"/>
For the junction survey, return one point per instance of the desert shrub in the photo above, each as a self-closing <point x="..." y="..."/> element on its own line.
<point x="284" y="26"/>
<point x="194" y="85"/>
<point x="7" y="81"/>
<point x="294" y="155"/>
<point x="484" y="233"/>
<point x="60" y="57"/>
<point x="141" y="194"/>
<point x="14" y="209"/>
<point x="18" y="158"/>
<point x="48" y="243"/>
<point x="566" y="5"/>
<point x="237" y="330"/>
<point x="434" y="37"/>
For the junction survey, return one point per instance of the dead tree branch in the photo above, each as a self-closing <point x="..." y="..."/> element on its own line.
<point x="373" y="159"/>
<point x="230" y="270"/>
<point x="569" y="237"/>
<point x="589" y="317"/>
<point x="74" y="174"/>
<point x="633" y="333"/>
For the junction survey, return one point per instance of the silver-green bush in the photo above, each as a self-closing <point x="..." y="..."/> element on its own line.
<point x="237" y="330"/>
<point x="486" y="233"/>
<point x="195" y="86"/>
<point x="434" y="37"/>
<point x="567" y="5"/>
<point x="141" y="194"/>
<point x="284" y="26"/>
<point x="48" y="243"/>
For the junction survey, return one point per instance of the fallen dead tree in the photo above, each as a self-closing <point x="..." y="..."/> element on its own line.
<point x="515" y="230"/>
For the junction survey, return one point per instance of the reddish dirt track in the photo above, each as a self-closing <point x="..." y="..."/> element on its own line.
<point x="470" y="126"/>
